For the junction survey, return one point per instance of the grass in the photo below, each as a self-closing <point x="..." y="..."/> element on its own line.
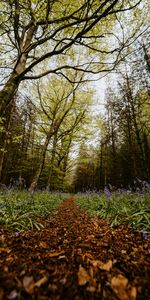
<point x="119" y="208"/>
<point x="21" y="211"/>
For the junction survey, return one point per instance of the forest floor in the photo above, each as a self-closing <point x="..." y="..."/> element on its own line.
<point x="74" y="257"/>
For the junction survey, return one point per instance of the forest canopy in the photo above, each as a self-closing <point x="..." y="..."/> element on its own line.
<point x="50" y="53"/>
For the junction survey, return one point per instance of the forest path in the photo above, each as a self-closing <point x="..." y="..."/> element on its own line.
<point x="74" y="257"/>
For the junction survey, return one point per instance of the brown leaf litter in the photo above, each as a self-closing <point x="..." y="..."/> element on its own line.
<point x="74" y="257"/>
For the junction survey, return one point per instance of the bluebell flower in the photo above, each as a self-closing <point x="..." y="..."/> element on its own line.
<point x="107" y="192"/>
<point x="145" y="235"/>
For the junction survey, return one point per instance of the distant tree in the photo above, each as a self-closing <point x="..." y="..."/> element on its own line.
<point x="60" y="105"/>
<point x="85" y="174"/>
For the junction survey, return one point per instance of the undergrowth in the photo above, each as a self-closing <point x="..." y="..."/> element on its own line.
<point x="133" y="209"/>
<point x="20" y="210"/>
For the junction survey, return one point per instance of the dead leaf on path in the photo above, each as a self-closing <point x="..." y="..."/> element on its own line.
<point x="92" y="272"/>
<point x="135" y="249"/>
<point x="5" y="268"/>
<point x="123" y="251"/>
<point x="91" y="289"/>
<point x="41" y="281"/>
<point x="2" y="240"/>
<point x="13" y="294"/>
<point x="133" y="293"/>
<point x="1" y="294"/>
<point x="96" y="225"/>
<point x="91" y="237"/>
<point x="88" y="256"/>
<point x="43" y="245"/>
<point x="83" y="276"/>
<point x="119" y="285"/>
<point x="28" y="284"/>
<point x="54" y="254"/>
<point x="52" y="287"/>
<point x="7" y="250"/>
<point x="103" y="266"/>
<point x="11" y="258"/>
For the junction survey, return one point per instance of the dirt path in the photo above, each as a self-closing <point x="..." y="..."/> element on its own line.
<point x="74" y="257"/>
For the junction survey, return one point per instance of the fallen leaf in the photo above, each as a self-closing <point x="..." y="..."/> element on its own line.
<point x="6" y="269"/>
<point x="133" y="293"/>
<point x="99" y="287"/>
<point x="103" y="266"/>
<point x="1" y="294"/>
<point x="88" y="256"/>
<point x="123" y="251"/>
<point x="7" y="250"/>
<point x="91" y="272"/>
<point x="124" y="291"/>
<point x="135" y="249"/>
<point x="13" y="294"/>
<point x="63" y="280"/>
<point x="83" y="276"/>
<point x="41" y="281"/>
<point x="52" y="287"/>
<point x="65" y="242"/>
<point x="119" y="284"/>
<point x="43" y="245"/>
<point x="54" y="254"/>
<point x="2" y="240"/>
<point x="28" y="284"/>
<point x="62" y="257"/>
<point x="10" y="259"/>
<point x="91" y="289"/>
<point x="95" y="223"/>
<point x="90" y="237"/>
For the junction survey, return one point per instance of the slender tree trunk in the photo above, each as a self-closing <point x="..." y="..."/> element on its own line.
<point x="136" y="127"/>
<point x="147" y="155"/>
<point x="131" y="153"/>
<point x="52" y="161"/>
<point x="106" y="160"/>
<point x="41" y="164"/>
<point x="101" y="177"/>
<point x="65" y="161"/>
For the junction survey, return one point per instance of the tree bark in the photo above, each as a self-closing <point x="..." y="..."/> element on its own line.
<point x="136" y="127"/>
<point x="52" y="161"/>
<point x="11" y="86"/>
<point x="7" y="93"/>
<point x="41" y="165"/>
<point x="6" y="124"/>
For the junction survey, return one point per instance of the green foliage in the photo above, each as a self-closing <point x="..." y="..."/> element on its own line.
<point x="21" y="210"/>
<point x="132" y="210"/>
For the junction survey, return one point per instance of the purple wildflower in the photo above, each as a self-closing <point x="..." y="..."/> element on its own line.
<point x="145" y="235"/>
<point x="107" y="192"/>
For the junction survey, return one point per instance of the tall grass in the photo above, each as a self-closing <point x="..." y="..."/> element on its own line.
<point x="119" y="208"/>
<point x="20" y="210"/>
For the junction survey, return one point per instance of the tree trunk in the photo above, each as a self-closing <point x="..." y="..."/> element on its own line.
<point x="41" y="165"/>
<point x="7" y="94"/>
<point x="136" y="127"/>
<point x="65" y="161"/>
<point x="6" y="124"/>
<point x="101" y="173"/>
<point x="11" y="86"/>
<point x="52" y="161"/>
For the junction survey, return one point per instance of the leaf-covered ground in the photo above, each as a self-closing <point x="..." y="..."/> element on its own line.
<point x="74" y="257"/>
